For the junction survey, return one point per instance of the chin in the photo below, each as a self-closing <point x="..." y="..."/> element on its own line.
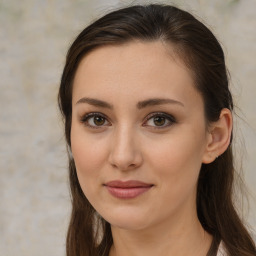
<point x="129" y="224"/>
<point x="127" y="220"/>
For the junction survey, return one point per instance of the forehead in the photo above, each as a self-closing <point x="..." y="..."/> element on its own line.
<point x="133" y="55"/>
<point x="135" y="69"/>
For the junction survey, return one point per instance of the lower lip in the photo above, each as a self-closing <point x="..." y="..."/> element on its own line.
<point x="127" y="193"/>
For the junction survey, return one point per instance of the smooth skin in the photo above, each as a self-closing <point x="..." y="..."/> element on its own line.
<point x="146" y="122"/>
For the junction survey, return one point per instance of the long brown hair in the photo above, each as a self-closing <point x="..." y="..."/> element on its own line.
<point x="88" y="233"/>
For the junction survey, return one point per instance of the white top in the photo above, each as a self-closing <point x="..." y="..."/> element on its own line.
<point x="221" y="251"/>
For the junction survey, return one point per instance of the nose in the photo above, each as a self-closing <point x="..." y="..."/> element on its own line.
<point x="125" y="151"/>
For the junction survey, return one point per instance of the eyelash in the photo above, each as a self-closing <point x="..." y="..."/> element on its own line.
<point x="168" y="118"/>
<point x="86" y="117"/>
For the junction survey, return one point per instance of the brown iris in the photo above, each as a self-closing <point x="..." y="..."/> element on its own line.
<point x="99" y="120"/>
<point x="159" y="120"/>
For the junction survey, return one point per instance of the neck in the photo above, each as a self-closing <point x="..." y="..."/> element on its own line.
<point x="180" y="237"/>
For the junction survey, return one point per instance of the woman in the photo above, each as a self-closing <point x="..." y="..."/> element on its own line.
<point x="148" y="122"/>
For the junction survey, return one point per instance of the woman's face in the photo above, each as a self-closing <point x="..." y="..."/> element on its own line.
<point x="138" y="134"/>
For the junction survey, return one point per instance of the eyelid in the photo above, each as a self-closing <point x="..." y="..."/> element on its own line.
<point x="169" y="117"/>
<point x="84" y="118"/>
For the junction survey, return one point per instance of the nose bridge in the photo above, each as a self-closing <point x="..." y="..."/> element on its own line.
<point x="125" y="152"/>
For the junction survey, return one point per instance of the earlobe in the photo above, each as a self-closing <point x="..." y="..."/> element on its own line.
<point x="218" y="136"/>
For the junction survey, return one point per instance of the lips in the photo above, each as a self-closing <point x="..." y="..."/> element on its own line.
<point x="127" y="189"/>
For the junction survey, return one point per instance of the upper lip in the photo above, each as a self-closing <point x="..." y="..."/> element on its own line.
<point x="127" y="184"/>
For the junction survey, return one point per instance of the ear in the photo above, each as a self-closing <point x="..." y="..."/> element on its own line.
<point x="219" y="135"/>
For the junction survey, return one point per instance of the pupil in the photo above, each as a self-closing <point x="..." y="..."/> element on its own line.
<point x="159" y="120"/>
<point x="98" y="120"/>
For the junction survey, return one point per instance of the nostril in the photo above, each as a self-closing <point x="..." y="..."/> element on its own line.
<point x="125" y="153"/>
<point x="126" y="162"/>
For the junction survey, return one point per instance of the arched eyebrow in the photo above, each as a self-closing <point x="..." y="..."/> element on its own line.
<point x="157" y="101"/>
<point x="95" y="102"/>
<point x="140" y="104"/>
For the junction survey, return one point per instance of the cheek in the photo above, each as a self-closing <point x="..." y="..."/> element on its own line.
<point x="177" y="159"/>
<point x="89" y="156"/>
<point x="176" y="167"/>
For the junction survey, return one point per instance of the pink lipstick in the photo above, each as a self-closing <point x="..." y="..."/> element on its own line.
<point x="127" y="189"/>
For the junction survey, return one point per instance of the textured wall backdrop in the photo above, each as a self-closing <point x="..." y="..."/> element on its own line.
<point x="34" y="37"/>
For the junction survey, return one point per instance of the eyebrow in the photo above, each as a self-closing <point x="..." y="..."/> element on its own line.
<point x="140" y="104"/>
<point x="95" y="102"/>
<point x="157" y="101"/>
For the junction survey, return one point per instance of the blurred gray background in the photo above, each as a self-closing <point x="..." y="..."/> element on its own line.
<point x="34" y="38"/>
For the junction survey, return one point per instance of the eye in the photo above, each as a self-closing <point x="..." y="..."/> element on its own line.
<point x="94" y="120"/>
<point x="159" y="120"/>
